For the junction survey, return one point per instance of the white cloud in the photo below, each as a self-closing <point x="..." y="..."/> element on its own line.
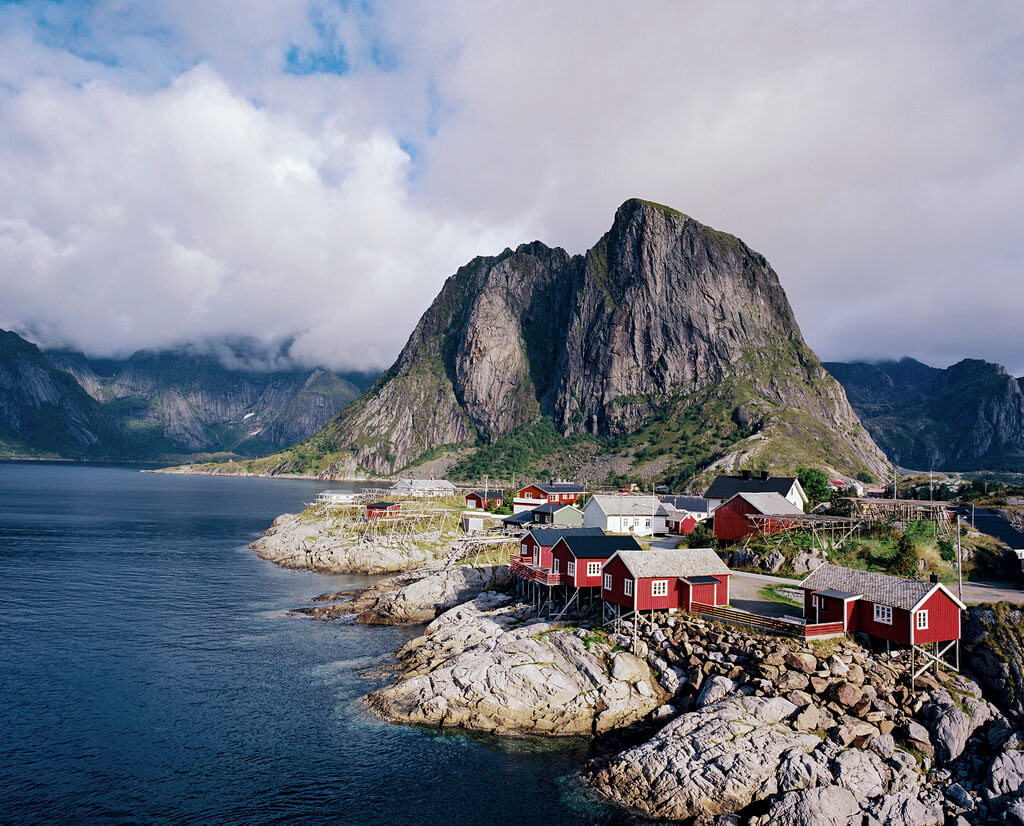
<point x="187" y="185"/>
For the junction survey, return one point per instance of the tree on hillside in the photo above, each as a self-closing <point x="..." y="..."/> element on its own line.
<point x="814" y="481"/>
<point x="905" y="559"/>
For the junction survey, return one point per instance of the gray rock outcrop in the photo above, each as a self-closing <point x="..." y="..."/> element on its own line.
<point x="481" y="668"/>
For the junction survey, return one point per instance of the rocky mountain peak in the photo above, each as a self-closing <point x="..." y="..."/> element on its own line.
<point x="660" y="310"/>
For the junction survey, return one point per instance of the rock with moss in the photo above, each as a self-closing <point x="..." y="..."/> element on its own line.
<point x="993" y="649"/>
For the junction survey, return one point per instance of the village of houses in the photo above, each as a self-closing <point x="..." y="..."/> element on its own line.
<point x="579" y="553"/>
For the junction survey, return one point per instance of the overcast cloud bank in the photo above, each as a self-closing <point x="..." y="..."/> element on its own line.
<point x="174" y="171"/>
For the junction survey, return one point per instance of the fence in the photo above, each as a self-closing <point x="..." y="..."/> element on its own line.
<point x="770" y="624"/>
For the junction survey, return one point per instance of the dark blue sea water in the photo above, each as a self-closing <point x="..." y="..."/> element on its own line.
<point x="147" y="673"/>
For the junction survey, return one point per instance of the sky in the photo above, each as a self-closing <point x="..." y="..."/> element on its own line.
<point x="183" y="171"/>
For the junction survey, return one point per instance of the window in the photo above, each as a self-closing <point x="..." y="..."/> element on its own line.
<point x="571" y="568"/>
<point x="647" y="523"/>
<point x="593" y="568"/>
<point x="814" y="601"/>
<point x="607" y="582"/>
<point x="883" y="614"/>
<point x="922" y="620"/>
<point x="554" y="567"/>
<point x="822" y="602"/>
<point x="628" y="587"/>
<point x="523" y="549"/>
<point x="659" y="588"/>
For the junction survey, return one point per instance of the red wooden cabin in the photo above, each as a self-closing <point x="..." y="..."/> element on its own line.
<point x="482" y="500"/>
<point x="578" y="559"/>
<point x="563" y="493"/>
<point x="904" y="611"/>
<point x="665" y="580"/>
<point x="731" y="523"/>
<point x="376" y="510"/>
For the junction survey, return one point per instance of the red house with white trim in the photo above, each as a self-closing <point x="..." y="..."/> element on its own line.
<point x="482" y="500"/>
<point x="904" y="611"/>
<point x="731" y="523"/>
<point x="665" y="580"/>
<point x="578" y="559"/>
<point x="562" y="493"/>
<point x="535" y="547"/>
<point x="376" y="510"/>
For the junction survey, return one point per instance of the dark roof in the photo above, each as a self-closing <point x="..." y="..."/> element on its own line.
<point x="697" y="504"/>
<point x="382" y="504"/>
<point x="557" y="487"/>
<point x="549" y="536"/>
<point x="521" y="518"/>
<point x="552" y="507"/>
<point x="599" y="547"/>
<point x="881" y="589"/>
<point x="725" y="487"/>
<point x="843" y="595"/>
<point x="491" y="494"/>
<point x="699" y="580"/>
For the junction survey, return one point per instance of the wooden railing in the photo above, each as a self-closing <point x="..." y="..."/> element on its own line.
<point x="534" y="574"/>
<point x="823" y="629"/>
<point x="770" y="624"/>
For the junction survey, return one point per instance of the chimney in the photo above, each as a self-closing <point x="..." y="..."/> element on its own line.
<point x="744" y="474"/>
<point x="934" y="579"/>
<point x="764" y="475"/>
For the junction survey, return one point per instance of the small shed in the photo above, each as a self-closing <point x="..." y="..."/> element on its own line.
<point x="665" y="580"/>
<point x="377" y="510"/>
<point x="482" y="500"/>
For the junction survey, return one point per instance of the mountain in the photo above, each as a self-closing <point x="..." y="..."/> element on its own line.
<point x="969" y="416"/>
<point x="44" y="411"/>
<point x="159" y="404"/>
<point x="666" y="347"/>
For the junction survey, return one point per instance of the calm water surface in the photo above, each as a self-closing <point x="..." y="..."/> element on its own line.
<point x="147" y="673"/>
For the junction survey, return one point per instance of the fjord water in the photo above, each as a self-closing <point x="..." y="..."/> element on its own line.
<point x="147" y="673"/>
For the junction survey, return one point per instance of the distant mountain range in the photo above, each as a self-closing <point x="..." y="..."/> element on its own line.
<point x="966" y="417"/>
<point x="667" y="349"/>
<point x="157" y="405"/>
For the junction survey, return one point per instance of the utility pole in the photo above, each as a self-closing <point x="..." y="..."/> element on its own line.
<point x="959" y="564"/>
<point x="487" y="498"/>
<point x="931" y="497"/>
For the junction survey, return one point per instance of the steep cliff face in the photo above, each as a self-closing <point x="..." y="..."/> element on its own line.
<point x="969" y="416"/>
<point x="44" y="411"/>
<point x="663" y="317"/>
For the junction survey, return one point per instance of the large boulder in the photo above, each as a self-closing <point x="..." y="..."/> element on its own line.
<point x="486" y="671"/>
<point x="951" y="722"/>
<point x="822" y="806"/>
<point x="713" y="761"/>
<point x="424" y="599"/>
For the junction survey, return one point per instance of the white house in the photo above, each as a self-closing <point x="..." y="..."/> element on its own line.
<point x="726" y="487"/>
<point x="332" y="498"/>
<point x="423" y="487"/>
<point x="625" y="513"/>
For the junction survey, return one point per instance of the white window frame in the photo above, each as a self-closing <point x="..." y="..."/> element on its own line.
<point x="593" y="569"/>
<point x="814" y="601"/>
<point x="555" y="566"/>
<point x="627" y="587"/>
<point x="659" y="588"/>
<point x="571" y="568"/>
<point x="883" y="614"/>
<point x="921" y="623"/>
<point x="607" y="582"/>
<point x="522" y="550"/>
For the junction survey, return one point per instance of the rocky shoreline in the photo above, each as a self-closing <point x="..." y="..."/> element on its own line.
<point x="705" y="723"/>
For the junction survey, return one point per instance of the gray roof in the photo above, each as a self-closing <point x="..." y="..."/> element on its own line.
<point x="521" y="518"/>
<point x="683" y="562"/>
<point x="694" y="504"/>
<point x="554" y="507"/>
<point x="422" y="484"/>
<point x="881" y="589"/>
<point x="628" y="504"/>
<point x="770" y="504"/>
